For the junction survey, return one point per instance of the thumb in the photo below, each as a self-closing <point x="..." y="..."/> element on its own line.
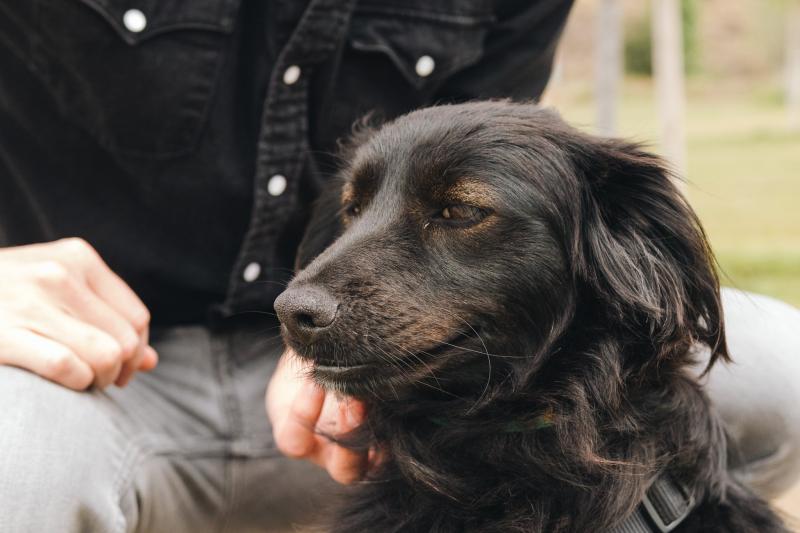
<point x="295" y="435"/>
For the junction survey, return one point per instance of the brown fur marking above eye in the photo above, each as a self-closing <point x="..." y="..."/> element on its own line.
<point x="470" y="191"/>
<point x="361" y="184"/>
<point x="348" y="194"/>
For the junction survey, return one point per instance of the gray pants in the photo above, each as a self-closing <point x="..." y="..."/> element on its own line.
<point x="187" y="448"/>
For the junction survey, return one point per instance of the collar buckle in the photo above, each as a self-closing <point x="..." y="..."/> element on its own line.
<point x="667" y="504"/>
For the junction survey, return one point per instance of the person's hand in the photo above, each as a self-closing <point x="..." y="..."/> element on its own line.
<point x="299" y="411"/>
<point x="67" y="317"/>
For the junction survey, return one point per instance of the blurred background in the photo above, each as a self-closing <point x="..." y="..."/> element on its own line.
<point x="714" y="86"/>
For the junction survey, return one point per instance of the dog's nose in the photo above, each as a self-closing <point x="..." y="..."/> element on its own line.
<point x="306" y="312"/>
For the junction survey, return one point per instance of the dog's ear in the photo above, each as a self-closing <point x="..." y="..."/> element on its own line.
<point x="641" y="251"/>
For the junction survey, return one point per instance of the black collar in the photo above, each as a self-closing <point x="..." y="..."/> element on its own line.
<point x="665" y="505"/>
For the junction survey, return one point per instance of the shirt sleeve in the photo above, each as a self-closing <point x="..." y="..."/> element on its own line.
<point x="518" y="53"/>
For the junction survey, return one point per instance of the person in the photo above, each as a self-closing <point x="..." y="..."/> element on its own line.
<point x="158" y="162"/>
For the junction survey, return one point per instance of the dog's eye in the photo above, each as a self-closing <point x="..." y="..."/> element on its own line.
<point x="460" y="215"/>
<point x="352" y="210"/>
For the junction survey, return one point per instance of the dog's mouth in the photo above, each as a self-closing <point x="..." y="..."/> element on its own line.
<point x="360" y="377"/>
<point x="342" y="378"/>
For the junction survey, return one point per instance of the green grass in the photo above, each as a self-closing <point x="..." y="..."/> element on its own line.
<point x="743" y="175"/>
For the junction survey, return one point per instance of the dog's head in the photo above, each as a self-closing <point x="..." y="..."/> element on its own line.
<point x="481" y="236"/>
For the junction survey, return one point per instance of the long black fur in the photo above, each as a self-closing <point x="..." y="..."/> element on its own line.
<point x="528" y="370"/>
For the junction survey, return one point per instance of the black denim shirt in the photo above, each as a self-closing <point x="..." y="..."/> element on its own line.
<point x="186" y="139"/>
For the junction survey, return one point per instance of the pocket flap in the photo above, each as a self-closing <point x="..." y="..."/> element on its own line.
<point x="427" y="48"/>
<point x="138" y="20"/>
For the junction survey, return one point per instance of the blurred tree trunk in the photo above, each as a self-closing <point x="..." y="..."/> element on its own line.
<point x="793" y="65"/>
<point x="552" y="93"/>
<point x="669" y="80"/>
<point x="608" y="64"/>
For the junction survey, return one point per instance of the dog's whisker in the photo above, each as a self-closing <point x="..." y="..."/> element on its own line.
<point x="402" y="366"/>
<point x="470" y="326"/>
<point x="394" y="390"/>
<point x="486" y="386"/>
<point x="488" y="360"/>
<point x="263" y="342"/>
<point x="418" y="358"/>
<point x="277" y="269"/>
<point x="408" y="372"/>
<point x="499" y="356"/>
<point x="392" y="361"/>
<point x="396" y="360"/>
<point x="411" y="368"/>
<point x="260" y="331"/>
<point x="271" y="282"/>
<point x="255" y="312"/>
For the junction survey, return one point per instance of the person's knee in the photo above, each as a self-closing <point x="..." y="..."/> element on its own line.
<point x="59" y="456"/>
<point x="757" y="395"/>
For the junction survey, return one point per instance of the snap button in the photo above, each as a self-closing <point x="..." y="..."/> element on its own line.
<point x="134" y="20"/>
<point x="291" y="75"/>
<point x="425" y="66"/>
<point x="276" y="185"/>
<point x="251" y="272"/>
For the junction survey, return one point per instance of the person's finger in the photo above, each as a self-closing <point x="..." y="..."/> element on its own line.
<point x="295" y="435"/>
<point x="375" y="458"/>
<point x="95" y="347"/>
<point x="45" y="357"/>
<point x="286" y="380"/>
<point x="145" y="360"/>
<point x="84" y="304"/>
<point x="144" y="363"/>
<point x="354" y="413"/>
<point x="345" y="465"/>
<point x="125" y="374"/>
<point x="91" y="291"/>
<point x="129" y="367"/>
<point x="112" y="289"/>
<point x="149" y="360"/>
<point x="328" y="422"/>
<point x="103" y="281"/>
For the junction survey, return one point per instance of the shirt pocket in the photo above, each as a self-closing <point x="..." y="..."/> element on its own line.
<point x="426" y="42"/>
<point x="138" y="76"/>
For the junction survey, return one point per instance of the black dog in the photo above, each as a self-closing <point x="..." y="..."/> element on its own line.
<point x="517" y="303"/>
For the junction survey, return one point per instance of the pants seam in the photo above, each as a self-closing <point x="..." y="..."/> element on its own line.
<point x="220" y="346"/>
<point x="134" y="455"/>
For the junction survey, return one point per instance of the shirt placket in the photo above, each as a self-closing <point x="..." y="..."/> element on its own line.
<point x="283" y="147"/>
